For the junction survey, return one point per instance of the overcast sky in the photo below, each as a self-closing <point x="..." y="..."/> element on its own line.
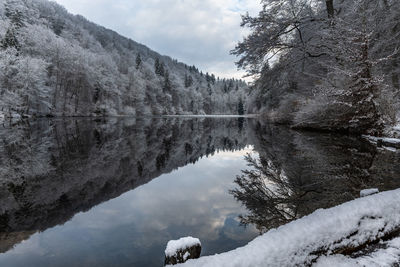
<point x="196" y="32"/>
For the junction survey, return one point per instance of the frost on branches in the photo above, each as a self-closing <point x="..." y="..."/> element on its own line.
<point x="324" y="65"/>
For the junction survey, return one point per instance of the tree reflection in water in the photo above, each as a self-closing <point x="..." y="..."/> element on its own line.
<point x="297" y="173"/>
<point x="266" y="193"/>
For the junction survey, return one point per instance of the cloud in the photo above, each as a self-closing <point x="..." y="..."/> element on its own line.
<point x="197" y="32"/>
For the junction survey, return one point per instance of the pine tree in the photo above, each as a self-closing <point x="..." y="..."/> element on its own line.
<point x="10" y="40"/>
<point x="157" y="66"/>
<point x="240" y="107"/>
<point x="138" y="61"/>
<point x="225" y="88"/>
<point x="212" y="78"/>
<point x="188" y="80"/>
<point x="167" y="83"/>
<point x="15" y="15"/>
<point x="162" y="70"/>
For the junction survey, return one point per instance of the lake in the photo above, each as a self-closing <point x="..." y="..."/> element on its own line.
<point x="113" y="192"/>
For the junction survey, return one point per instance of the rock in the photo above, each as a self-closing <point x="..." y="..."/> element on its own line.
<point x="179" y="251"/>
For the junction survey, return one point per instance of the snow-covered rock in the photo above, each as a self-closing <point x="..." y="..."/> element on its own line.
<point x="367" y="192"/>
<point x="179" y="251"/>
<point x="319" y="236"/>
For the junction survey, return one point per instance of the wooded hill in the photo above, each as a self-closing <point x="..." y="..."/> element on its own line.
<point x="53" y="63"/>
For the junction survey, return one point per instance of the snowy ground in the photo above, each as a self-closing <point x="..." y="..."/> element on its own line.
<point x="324" y="237"/>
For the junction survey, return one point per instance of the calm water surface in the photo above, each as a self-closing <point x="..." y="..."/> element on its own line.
<point x="112" y="192"/>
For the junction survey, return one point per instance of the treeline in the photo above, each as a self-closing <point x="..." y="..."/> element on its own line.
<point x="55" y="64"/>
<point x="327" y="65"/>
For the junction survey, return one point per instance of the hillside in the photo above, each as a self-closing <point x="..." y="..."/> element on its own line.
<point x="53" y="63"/>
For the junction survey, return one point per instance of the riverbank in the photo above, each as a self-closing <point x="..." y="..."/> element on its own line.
<point x="342" y="234"/>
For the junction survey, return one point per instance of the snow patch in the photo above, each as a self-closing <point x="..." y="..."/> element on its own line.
<point x="183" y="243"/>
<point x="367" y="192"/>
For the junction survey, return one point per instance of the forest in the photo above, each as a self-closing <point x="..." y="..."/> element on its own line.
<point x="324" y="65"/>
<point x="53" y="63"/>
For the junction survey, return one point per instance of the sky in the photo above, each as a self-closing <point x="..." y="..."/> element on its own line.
<point x="196" y="32"/>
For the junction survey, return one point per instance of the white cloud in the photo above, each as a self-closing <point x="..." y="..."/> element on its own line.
<point x="197" y="32"/>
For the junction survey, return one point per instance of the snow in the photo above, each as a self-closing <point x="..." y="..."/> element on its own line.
<point x="367" y="192"/>
<point x="186" y="255"/>
<point x="183" y="243"/>
<point x="397" y="127"/>
<point x="389" y="143"/>
<point x="350" y="224"/>
<point x="384" y="139"/>
<point x="391" y="140"/>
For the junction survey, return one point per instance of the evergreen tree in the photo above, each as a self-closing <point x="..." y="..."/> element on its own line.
<point x="188" y="80"/>
<point x="225" y="88"/>
<point x="10" y="40"/>
<point x="157" y="66"/>
<point x="213" y="78"/>
<point x="167" y="83"/>
<point x="58" y="26"/>
<point x="15" y="15"/>
<point x="208" y="77"/>
<point x="162" y="70"/>
<point x="240" y="107"/>
<point x="138" y="61"/>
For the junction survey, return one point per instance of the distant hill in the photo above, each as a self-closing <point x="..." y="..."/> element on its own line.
<point x="53" y="63"/>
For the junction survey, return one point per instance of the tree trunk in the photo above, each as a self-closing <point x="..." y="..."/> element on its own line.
<point x="330" y="9"/>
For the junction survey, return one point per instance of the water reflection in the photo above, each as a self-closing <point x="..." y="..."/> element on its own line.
<point x="297" y="173"/>
<point x="56" y="173"/>
<point x="81" y="192"/>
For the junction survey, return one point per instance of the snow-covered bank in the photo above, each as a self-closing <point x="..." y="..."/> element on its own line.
<point x="320" y="236"/>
